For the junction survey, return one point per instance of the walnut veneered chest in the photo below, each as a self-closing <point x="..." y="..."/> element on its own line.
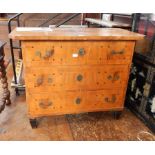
<point x="74" y="70"/>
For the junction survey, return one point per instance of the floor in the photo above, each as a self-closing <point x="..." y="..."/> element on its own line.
<point x="14" y="122"/>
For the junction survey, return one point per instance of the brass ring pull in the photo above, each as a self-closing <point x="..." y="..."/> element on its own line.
<point x="48" y="54"/>
<point x="112" y="100"/>
<point x="78" y="100"/>
<point x="113" y="52"/>
<point x="81" y="52"/>
<point x="79" y="77"/>
<point x="45" y="105"/>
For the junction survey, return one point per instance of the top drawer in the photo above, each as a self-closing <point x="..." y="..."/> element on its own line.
<point x="77" y="52"/>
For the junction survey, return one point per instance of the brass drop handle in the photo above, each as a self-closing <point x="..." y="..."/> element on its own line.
<point x="48" y="54"/>
<point x="79" y="77"/>
<point x="113" y="52"/>
<point x="115" y="77"/>
<point x="44" y="104"/>
<point x="78" y="100"/>
<point x="39" y="81"/>
<point x="112" y="100"/>
<point x="81" y="52"/>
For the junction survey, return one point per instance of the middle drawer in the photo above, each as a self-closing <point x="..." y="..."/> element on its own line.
<point x="76" y="78"/>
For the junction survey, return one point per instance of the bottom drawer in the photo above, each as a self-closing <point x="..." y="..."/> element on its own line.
<point x="67" y="102"/>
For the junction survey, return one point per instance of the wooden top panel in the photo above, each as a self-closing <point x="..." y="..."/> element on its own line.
<point x="34" y="33"/>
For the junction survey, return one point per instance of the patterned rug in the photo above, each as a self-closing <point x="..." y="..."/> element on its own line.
<point x="102" y="126"/>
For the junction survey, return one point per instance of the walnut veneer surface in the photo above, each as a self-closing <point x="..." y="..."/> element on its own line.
<point x="74" y="70"/>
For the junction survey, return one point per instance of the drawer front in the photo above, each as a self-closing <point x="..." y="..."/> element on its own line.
<point x="120" y="52"/>
<point x="74" y="102"/>
<point x="77" y="53"/>
<point x="76" y="78"/>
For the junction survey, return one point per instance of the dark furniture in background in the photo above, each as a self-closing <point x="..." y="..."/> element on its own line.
<point x="5" y="98"/>
<point x="140" y="96"/>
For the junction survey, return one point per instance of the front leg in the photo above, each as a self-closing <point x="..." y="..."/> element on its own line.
<point x="33" y="123"/>
<point x="117" y="114"/>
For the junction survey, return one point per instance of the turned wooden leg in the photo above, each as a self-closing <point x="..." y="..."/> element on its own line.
<point x="33" y="123"/>
<point x="5" y="98"/>
<point x="6" y="92"/>
<point x="117" y="114"/>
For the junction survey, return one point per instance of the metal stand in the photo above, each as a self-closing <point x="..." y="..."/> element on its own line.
<point x="16" y="17"/>
<point x="12" y="47"/>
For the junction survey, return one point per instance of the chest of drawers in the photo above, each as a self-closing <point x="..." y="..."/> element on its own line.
<point x="74" y="70"/>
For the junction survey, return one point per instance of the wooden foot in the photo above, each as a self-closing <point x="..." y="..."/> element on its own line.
<point x="17" y="92"/>
<point x="33" y="123"/>
<point x="117" y="114"/>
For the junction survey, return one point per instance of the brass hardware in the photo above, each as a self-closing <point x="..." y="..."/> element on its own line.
<point x="48" y="54"/>
<point x="38" y="53"/>
<point x="45" y="105"/>
<point x="81" y="52"/>
<point x="117" y="52"/>
<point x="114" y="78"/>
<point x="79" y="77"/>
<point x="39" y="81"/>
<point x="78" y="100"/>
<point x="113" y="99"/>
<point x="109" y="77"/>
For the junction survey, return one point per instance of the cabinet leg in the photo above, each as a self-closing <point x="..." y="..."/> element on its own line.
<point x="33" y="123"/>
<point x="117" y="114"/>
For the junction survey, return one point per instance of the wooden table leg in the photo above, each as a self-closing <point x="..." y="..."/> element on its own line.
<point x="34" y="123"/>
<point x="5" y="99"/>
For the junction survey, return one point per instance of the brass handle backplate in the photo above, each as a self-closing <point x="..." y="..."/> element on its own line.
<point x="79" y="77"/>
<point x="115" y="77"/>
<point x="81" y="52"/>
<point x="78" y="100"/>
<point x="112" y="100"/>
<point x="45" y="105"/>
<point x="113" y="52"/>
<point x="48" y="54"/>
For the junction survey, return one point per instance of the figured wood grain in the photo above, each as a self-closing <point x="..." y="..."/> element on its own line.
<point x="35" y="33"/>
<point x="95" y="52"/>
<point x="64" y="102"/>
<point x="65" y="78"/>
<point x="52" y="86"/>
